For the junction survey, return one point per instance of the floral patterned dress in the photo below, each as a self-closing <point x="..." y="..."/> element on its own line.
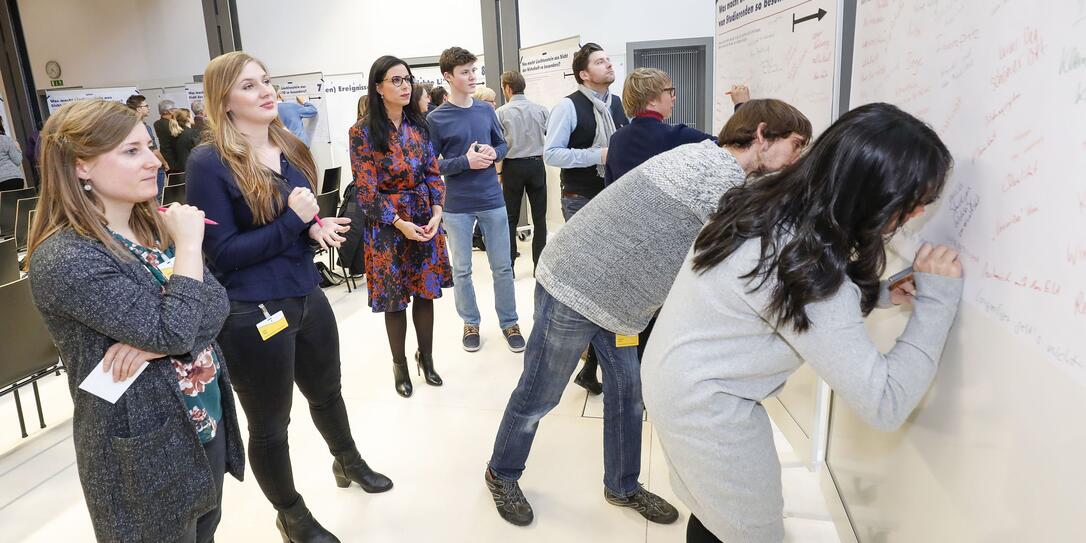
<point x="198" y="377"/>
<point x="404" y="183"/>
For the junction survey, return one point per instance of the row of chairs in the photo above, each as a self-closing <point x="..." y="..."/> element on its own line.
<point x="16" y="213"/>
<point x="29" y="353"/>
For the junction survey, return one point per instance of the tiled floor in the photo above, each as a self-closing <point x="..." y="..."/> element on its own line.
<point x="434" y="446"/>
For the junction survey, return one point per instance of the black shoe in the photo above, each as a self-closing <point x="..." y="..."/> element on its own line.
<point x="652" y="507"/>
<point x="589" y="382"/>
<point x="403" y="378"/>
<point x="351" y="467"/>
<point x="297" y="525"/>
<point x="510" y="501"/>
<point x="425" y="365"/>
<point x="514" y="338"/>
<point x="471" y="339"/>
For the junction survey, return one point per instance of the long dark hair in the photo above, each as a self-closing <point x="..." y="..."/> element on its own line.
<point x="830" y="213"/>
<point x="376" y="118"/>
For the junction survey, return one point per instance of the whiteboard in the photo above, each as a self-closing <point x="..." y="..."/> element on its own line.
<point x="311" y="85"/>
<point x="784" y="49"/>
<point x="341" y="94"/>
<point x="994" y="451"/>
<point x="58" y="98"/>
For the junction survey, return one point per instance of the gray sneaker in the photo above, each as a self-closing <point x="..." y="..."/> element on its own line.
<point x="514" y="338"/>
<point x="652" y="507"/>
<point x="509" y="500"/>
<point x="471" y="338"/>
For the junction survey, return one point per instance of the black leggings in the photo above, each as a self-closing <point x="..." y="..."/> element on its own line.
<point x="264" y="373"/>
<point x="422" y="315"/>
<point x="696" y="532"/>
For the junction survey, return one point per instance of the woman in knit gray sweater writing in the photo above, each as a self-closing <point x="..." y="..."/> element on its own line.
<point x="783" y="273"/>
<point x="122" y="286"/>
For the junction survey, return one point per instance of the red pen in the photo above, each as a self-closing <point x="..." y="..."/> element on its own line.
<point x="206" y="221"/>
<point x="319" y="223"/>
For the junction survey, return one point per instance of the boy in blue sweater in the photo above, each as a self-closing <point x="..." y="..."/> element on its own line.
<point x="468" y="137"/>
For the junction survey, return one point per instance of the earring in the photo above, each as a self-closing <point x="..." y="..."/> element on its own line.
<point x="86" y="185"/>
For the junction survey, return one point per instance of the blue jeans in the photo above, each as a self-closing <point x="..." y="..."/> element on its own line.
<point x="495" y="226"/>
<point x="573" y="203"/>
<point x="558" y="338"/>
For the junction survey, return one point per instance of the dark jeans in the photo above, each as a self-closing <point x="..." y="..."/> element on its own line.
<point x="572" y="203"/>
<point x="264" y="374"/>
<point x="698" y="533"/>
<point x="202" y="530"/>
<point x="558" y="337"/>
<point x="519" y="176"/>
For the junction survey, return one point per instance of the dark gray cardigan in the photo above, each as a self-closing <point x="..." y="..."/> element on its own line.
<point x="144" y="473"/>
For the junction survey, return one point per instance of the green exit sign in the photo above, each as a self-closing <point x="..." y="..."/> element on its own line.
<point x="57" y="82"/>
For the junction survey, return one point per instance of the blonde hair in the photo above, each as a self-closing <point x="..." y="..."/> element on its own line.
<point x="642" y="86"/>
<point x="181" y="120"/>
<point x="363" y="103"/>
<point x="485" y="94"/>
<point x="257" y="183"/>
<point x="84" y="130"/>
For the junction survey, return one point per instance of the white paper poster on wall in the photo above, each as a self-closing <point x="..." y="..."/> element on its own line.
<point x="784" y="49"/>
<point x="341" y="95"/>
<point x="195" y="91"/>
<point x="548" y="72"/>
<point x="312" y="86"/>
<point x="58" y="98"/>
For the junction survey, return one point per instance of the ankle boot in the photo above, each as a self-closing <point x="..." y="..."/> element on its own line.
<point x="403" y="377"/>
<point x="425" y="365"/>
<point x="297" y="525"/>
<point x="351" y="467"/>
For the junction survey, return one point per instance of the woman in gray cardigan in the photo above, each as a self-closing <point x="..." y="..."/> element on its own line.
<point x="119" y="283"/>
<point x="782" y="274"/>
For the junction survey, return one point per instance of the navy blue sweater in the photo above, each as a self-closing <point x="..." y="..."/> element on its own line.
<point x="642" y="139"/>
<point x="452" y="130"/>
<point x="255" y="263"/>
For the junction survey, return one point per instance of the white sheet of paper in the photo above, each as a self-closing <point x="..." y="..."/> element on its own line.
<point x="101" y="383"/>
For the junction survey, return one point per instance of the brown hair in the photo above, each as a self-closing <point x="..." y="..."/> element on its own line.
<point x="515" y="82"/>
<point x="257" y="182"/>
<point x="642" y="86"/>
<point x="453" y="57"/>
<point x="363" y="101"/>
<point x="780" y="118"/>
<point x="83" y="130"/>
<point x="580" y="59"/>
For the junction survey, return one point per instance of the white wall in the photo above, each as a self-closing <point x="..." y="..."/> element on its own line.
<point x="108" y="43"/>
<point x="346" y="36"/>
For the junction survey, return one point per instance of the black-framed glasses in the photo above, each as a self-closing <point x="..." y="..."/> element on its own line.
<point x="400" y="80"/>
<point x="671" y="90"/>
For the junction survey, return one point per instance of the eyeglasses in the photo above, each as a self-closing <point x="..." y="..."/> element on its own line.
<point x="398" y="80"/>
<point x="670" y="90"/>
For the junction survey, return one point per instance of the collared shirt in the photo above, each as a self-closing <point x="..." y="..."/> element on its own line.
<point x="292" y="113"/>
<point x="562" y="122"/>
<point x="525" y="123"/>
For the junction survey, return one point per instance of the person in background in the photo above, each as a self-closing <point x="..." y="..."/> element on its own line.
<point x="603" y="276"/>
<point x="186" y="136"/>
<point x="525" y="125"/>
<point x="11" y="162"/>
<point x="771" y="284"/>
<point x="138" y="103"/>
<point x="30" y="153"/>
<point x="291" y="113"/>
<point x="437" y="97"/>
<point x="421" y="97"/>
<point x="486" y="94"/>
<point x="363" y="105"/>
<point x="402" y="194"/>
<point x="467" y="135"/>
<point x="578" y="131"/>
<point x="166" y="143"/>
<point x="256" y="179"/>
<point x="121" y="286"/>
<point x="199" y="120"/>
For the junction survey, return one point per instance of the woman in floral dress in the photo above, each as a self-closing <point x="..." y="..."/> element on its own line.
<point x="401" y="193"/>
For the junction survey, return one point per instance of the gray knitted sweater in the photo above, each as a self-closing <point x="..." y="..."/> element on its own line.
<point x="11" y="159"/>
<point x="615" y="260"/>
<point x="144" y="472"/>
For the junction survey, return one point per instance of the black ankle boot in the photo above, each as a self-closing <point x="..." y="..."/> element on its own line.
<point x="297" y="525"/>
<point x="351" y="467"/>
<point x="403" y="377"/>
<point x="589" y="382"/>
<point x="425" y="364"/>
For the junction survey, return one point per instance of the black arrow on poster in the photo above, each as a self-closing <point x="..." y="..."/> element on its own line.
<point x="821" y="13"/>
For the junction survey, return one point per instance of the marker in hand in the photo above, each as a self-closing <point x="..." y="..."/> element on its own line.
<point x="206" y="221"/>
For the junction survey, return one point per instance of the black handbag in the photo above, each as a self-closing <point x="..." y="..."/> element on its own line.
<point x="352" y="256"/>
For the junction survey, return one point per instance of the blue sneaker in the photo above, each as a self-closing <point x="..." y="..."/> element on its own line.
<point x="471" y="338"/>
<point x="514" y="338"/>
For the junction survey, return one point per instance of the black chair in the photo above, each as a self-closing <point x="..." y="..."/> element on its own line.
<point x="28" y="353"/>
<point x="173" y="193"/>
<point x="24" y="216"/>
<point x="331" y="180"/>
<point x="329" y="207"/>
<point x="9" y="200"/>
<point x="9" y="262"/>
<point x="175" y="179"/>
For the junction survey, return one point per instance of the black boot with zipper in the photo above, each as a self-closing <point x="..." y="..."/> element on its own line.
<point x="350" y="467"/>
<point x="297" y="525"/>
<point x="425" y="365"/>
<point x="403" y="377"/>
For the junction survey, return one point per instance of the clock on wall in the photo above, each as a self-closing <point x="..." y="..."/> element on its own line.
<point x="52" y="69"/>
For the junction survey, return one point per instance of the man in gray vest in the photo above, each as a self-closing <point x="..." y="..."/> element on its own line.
<point x="578" y="132"/>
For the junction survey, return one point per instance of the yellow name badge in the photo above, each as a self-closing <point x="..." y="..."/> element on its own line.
<point x="626" y="341"/>
<point x="272" y="324"/>
<point x="166" y="267"/>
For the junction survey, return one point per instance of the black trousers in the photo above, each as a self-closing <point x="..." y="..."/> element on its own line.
<point x="264" y="373"/>
<point x="698" y="533"/>
<point x="520" y="176"/>
<point x="202" y="530"/>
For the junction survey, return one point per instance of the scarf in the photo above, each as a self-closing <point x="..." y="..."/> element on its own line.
<point x="605" y="123"/>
